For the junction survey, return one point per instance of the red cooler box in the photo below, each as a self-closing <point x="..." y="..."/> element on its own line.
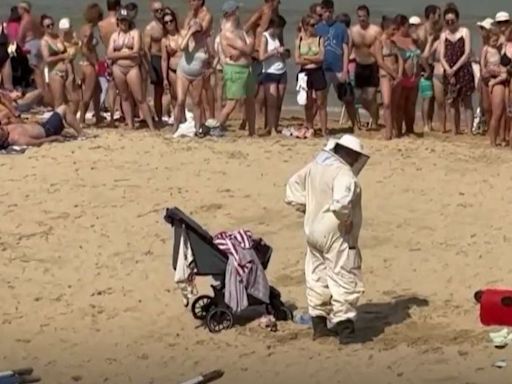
<point x="495" y="306"/>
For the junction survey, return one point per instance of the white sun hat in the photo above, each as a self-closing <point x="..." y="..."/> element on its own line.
<point x="486" y="24"/>
<point x="414" y="20"/>
<point x="502" y="16"/>
<point x="64" y="24"/>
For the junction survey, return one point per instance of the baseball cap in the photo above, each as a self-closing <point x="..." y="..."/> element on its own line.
<point x="230" y="6"/>
<point x="502" y="16"/>
<point x="64" y="24"/>
<point x="486" y="24"/>
<point x="414" y="20"/>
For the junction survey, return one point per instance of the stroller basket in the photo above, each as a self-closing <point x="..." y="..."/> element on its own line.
<point x="210" y="259"/>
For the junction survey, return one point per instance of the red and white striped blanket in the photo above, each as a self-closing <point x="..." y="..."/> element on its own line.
<point x="228" y="242"/>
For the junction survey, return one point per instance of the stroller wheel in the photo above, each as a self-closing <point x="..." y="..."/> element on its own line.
<point x="280" y="313"/>
<point x="219" y="319"/>
<point x="201" y="306"/>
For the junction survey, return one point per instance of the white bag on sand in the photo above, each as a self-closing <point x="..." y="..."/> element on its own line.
<point x="302" y="88"/>
<point x="188" y="128"/>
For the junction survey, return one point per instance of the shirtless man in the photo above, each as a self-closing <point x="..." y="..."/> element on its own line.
<point x="257" y="25"/>
<point x="429" y="27"/>
<point x="32" y="134"/>
<point x="107" y="27"/>
<point x="153" y="35"/>
<point x="29" y="38"/>
<point x="239" y="82"/>
<point x="364" y="35"/>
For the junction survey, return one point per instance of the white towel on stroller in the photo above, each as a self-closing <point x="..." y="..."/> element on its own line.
<point x="184" y="275"/>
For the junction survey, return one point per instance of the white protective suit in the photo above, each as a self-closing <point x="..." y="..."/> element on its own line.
<point x="331" y="194"/>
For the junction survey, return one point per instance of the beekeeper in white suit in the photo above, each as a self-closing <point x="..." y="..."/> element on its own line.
<point x="328" y="191"/>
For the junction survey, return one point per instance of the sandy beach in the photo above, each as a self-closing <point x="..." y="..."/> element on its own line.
<point x="87" y="292"/>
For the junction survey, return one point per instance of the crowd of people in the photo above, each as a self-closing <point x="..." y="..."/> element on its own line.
<point x="383" y="69"/>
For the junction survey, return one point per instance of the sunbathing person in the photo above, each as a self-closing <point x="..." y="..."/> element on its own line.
<point x="33" y="134"/>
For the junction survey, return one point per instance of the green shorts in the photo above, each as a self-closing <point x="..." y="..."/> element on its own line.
<point x="238" y="81"/>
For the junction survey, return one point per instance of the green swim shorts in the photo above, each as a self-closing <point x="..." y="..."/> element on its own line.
<point x="238" y="81"/>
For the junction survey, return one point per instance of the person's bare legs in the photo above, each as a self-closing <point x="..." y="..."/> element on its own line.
<point x="497" y="107"/>
<point x="134" y="80"/>
<point x="158" y="93"/>
<point x="219" y="91"/>
<point x="369" y="103"/>
<point x="321" y="103"/>
<point x="467" y="105"/>
<point x="124" y="94"/>
<point x="440" y="103"/>
<point x="455" y="108"/>
<point x="250" y="114"/>
<point x="209" y="102"/>
<point x="281" y="92"/>
<point x="182" y="86"/>
<point x="88" y="90"/>
<point x="400" y="110"/>
<point x="228" y="109"/>
<point x="58" y="89"/>
<point x="385" y="89"/>
<point x="69" y="117"/>
<point x="196" y="92"/>
<point x="271" y="100"/>
<point x="410" y="108"/>
<point x="259" y="99"/>
<point x="111" y="99"/>
<point x="6" y="75"/>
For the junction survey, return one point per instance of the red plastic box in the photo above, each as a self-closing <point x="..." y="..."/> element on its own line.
<point x="495" y="306"/>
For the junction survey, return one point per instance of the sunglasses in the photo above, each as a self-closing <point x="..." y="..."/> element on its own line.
<point x="450" y="21"/>
<point x="158" y="10"/>
<point x="50" y="25"/>
<point x="169" y="21"/>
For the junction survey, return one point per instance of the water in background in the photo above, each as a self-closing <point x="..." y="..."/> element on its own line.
<point x="293" y="10"/>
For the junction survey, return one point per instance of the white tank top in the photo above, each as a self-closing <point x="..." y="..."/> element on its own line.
<point x="274" y="64"/>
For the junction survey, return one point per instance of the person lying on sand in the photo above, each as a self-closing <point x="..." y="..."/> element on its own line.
<point x="33" y="134"/>
<point x="14" y="103"/>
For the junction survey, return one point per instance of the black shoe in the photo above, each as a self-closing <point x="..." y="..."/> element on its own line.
<point x="345" y="331"/>
<point x="320" y="328"/>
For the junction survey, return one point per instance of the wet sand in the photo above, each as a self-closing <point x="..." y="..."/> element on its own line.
<point x="88" y="294"/>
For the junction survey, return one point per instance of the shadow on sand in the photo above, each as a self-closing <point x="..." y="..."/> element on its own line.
<point x="374" y="318"/>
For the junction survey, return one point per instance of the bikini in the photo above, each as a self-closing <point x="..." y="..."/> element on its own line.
<point x="413" y="54"/>
<point x="119" y="45"/>
<point x="173" y="70"/>
<point x="389" y="50"/>
<point x="52" y="52"/>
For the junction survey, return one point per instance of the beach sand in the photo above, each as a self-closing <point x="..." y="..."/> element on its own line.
<point x="88" y="293"/>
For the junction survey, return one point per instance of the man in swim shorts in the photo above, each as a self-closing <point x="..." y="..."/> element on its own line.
<point x="153" y="35"/>
<point x="367" y="80"/>
<point x="239" y="81"/>
<point x="33" y="134"/>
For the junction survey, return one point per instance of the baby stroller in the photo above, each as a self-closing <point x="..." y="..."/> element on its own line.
<point x="212" y="261"/>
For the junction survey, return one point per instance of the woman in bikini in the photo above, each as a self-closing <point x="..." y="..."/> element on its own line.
<point x="494" y="76"/>
<point x="56" y="58"/>
<point x="390" y="72"/>
<point x="408" y="86"/>
<point x="459" y="81"/>
<point x="124" y="50"/>
<point x="506" y="64"/>
<point x="309" y="56"/>
<point x="91" y="89"/>
<point x="72" y="44"/>
<point x="196" y="53"/>
<point x="171" y="54"/>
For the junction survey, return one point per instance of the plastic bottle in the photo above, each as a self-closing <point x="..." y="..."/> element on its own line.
<point x="302" y="318"/>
